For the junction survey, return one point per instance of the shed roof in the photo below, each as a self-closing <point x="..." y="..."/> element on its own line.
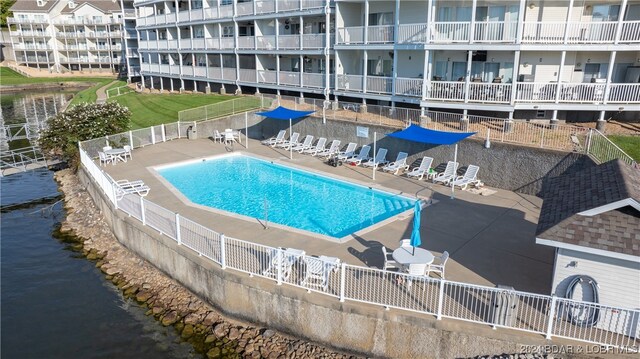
<point x="596" y="208"/>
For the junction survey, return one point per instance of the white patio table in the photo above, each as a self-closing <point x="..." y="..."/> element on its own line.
<point x="406" y="256"/>
<point x="116" y="154"/>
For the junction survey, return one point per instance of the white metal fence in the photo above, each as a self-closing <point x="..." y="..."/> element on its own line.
<point x="546" y="315"/>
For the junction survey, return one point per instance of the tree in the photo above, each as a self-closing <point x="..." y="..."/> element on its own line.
<point x="79" y="123"/>
<point x="5" y="12"/>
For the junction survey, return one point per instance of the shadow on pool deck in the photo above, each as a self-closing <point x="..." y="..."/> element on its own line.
<point x="491" y="239"/>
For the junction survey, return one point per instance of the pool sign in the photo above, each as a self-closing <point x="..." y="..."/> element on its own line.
<point x="362" y="131"/>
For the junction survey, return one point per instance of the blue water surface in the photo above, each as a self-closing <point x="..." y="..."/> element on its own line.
<point x="287" y="196"/>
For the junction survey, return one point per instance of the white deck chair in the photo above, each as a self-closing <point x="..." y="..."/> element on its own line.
<point x="125" y="187"/>
<point x="292" y="141"/>
<point x="105" y="159"/>
<point x="333" y="148"/>
<point x="397" y="165"/>
<point x="320" y="146"/>
<point x="229" y="137"/>
<point x="470" y="177"/>
<point x="389" y="262"/>
<point x="363" y="155"/>
<point x="275" y="140"/>
<point x="217" y="136"/>
<point x="283" y="258"/>
<point x="348" y="152"/>
<point x="305" y="145"/>
<point x="127" y="153"/>
<point x="438" y="267"/>
<point x="405" y="243"/>
<point x="448" y="174"/>
<point x="419" y="172"/>
<point x="379" y="160"/>
<point x="318" y="271"/>
<point x="417" y="272"/>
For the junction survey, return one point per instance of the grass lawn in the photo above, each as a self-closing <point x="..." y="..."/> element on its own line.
<point x="10" y="77"/>
<point x="154" y="109"/>
<point x="629" y="144"/>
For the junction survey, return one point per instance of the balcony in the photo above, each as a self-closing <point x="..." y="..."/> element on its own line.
<point x="83" y="21"/>
<point x="350" y="82"/>
<point x="229" y="73"/>
<point x="247" y="75"/>
<point x="450" y="31"/>
<point x="246" y="42"/>
<point x="603" y="32"/>
<point x="379" y="85"/>
<point x="29" y="33"/>
<point x="266" y="42"/>
<point x="314" y="80"/>
<point x="289" y="78"/>
<point x="382" y="34"/>
<point x="267" y="77"/>
<point x="22" y="20"/>
<point x="21" y="46"/>
<point x="409" y="87"/>
<point x="289" y="42"/>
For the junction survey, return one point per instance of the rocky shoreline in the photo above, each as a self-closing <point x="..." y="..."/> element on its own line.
<point x="170" y="303"/>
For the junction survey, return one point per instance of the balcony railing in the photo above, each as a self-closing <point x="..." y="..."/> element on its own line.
<point x="351" y="35"/>
<point x="412" y="33"/>
<point x="289" y="78"/>
<point x="246" y="42"/>
<point x="21" y="20"/>
<point x="266" y="42"/>
<point x="580" y="32"/>
<point x="20" y="46"/>
<point x="379" y="84"/>
<point x="536" y="92"/>
<point x="489" y="92"/>
<point x="229" y="73"/>
<point x="30" y="33"/>
<point x="247" y="75"/>
<point x="630" y="32"/>
<point x="380" y="34"/>
<point x="200" y="71"/>
<point x="289" y="42"/>
<point x="624" y="93"/>
<point x="495" y="31"/>
<point x="446" y="91"/>
<point x="267" y="77"/>
<point x="350" y="82"/>
<point x="313" y="80"/>
<point x="408" y="87"/>
<point x="450" y="31"/>
<point x="227" y="43"/>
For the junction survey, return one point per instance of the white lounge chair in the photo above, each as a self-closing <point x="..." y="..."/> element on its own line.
<point x="217" y="136"/>
<point x="305" y="145"/>
<point x="275" y="140"/>
<point x="125" y="187"/>
<point x="448" y="174"/>
<point x="292" y="141"/>
<point x="389" y="262"/>
<point x="399" y="164"/>
<point x="419" y="172"/>
<point x="348" y="152"/>
<point x="318" y="271"/>
<point x="363" y="155"/>
<point x="379" y="160"/>
<point x="439" y="266"/>
<point x="333" y="148"/>
<point x="470" y="177"/>
<point x="282" y="258"/>
<point x="320" y="146"/>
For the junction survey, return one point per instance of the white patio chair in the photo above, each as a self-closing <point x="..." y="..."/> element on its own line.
<point x="333" y="148"/>
<point x="320" y="146"/>
<point x="363" y="155"/>
<point x="292" y="141"/>
<point x="106" y="148"/>
<point x="405" y="243"/>
<point x="275" y="140"/>
<point x="283" y="258"/>
<point x="419" y="172"/>
<point x="439" y="266"/>
<point x="397" y="165"/>
<point x="416" y="272"/>
<point x="448" y="174"/>
<point x="379" y="160"/>
<point x="389" y="262"/>
<point x="469" y="177"/>
<point x="348" y="152"/>
<point x="104" y="158"/>
<point x="127" y="152"/>
<point x="305" y="145"/>
<point x="318" y="271"/>
<point x="217" y="136"/>
<point x="229" y="138"/>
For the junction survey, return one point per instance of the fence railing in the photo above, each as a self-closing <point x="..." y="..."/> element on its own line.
<point x="497" y="307"/>
<point x="225" y="108"/>
<point x="119" y="91"/>
<point x="601" y="149"/>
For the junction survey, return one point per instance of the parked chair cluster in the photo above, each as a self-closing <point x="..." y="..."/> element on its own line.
<point x="228" y="136"/>
<point x="418" y="269"/>
<point x="314" y="271"/>
<point x="114" y="155"/>
<point x="307" y="146"/>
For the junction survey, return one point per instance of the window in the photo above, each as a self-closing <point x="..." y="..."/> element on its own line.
<point x="201" y="60"/>
<point x="541" y="114"/>
<point x="198" y="33"/>
<point x="381" y="18"/>
<point x="440" y="72"/>
<point x="227" y="31"/>
<point x="603" y="12"/>
<point x="459" y="71"/>
<point x="620" y="72"/>
<point x="379" y="67"/>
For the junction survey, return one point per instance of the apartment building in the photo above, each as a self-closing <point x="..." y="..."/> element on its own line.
<point x="70" y="35"/>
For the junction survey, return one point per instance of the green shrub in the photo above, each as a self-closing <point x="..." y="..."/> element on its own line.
<point x="79" y="123"/>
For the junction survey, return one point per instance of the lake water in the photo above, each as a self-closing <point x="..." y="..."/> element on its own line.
<point x="54" y="302"/>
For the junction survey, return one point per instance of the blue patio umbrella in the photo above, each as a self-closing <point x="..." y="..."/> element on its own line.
<point x="283" y="113"/>
<point x="415" y="235"/>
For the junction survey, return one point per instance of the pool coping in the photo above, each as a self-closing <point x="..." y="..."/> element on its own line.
<point x="425" y="201"/>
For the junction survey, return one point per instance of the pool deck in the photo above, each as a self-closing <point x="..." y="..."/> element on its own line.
<point x="491" y="239"/>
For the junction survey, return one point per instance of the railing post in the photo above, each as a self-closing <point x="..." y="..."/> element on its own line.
<point x="115" y="195"/>
<point x="142" y="215"/>
<point x="552" y="313"/>
<point x="542" y="138"/>
<point x="164" y="136"/>
<point x="131" y="139"/>
<point x="178" y="237"/>
<point x="223" y="262"/>
<point x="153" y="135"/>
<point x="589" y="141"/>
<point x="343" y="270"/>
<point x="279" y="261"/>
<point x="178" y="125"/>
<point x="440" y="298"/>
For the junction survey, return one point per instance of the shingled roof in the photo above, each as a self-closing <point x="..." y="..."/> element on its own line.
<point x="106" y="6"/>
<point x="598" y="208"/>
<point x="32" y="6"/>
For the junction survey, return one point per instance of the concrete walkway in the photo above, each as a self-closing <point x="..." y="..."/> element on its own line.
<point x="491" y="239"/>
<point x="102" y="92"/>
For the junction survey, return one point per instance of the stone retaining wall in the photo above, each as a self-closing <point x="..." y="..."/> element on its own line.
<point x="349" y="326"/>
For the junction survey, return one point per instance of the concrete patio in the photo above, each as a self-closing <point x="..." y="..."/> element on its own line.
<point x="490" y="238"/>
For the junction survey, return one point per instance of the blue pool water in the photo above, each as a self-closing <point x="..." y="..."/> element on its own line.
<point x="294" y="198"/>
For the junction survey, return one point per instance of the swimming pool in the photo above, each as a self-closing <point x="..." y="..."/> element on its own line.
<point x="287" y="196"/>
